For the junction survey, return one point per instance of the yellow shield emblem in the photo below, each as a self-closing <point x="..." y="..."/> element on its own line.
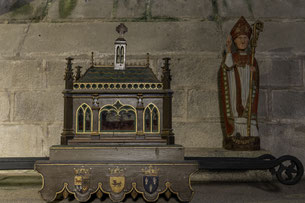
<point x="117" y="183"/>
<point x="82" y="180"/>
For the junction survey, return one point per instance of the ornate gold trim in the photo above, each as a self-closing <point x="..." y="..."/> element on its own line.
<point x="109" y="193"/>
<point x="134" y="185"/>
<point x="84" y="121"/>
<point x="60" y="191"/>
<point x="167" y="187"/>
<point x="74" y="193"/>
<point x="151" y="110"/>
<point x="42" y="180"/>
<point x="190" y="185"/>
<point x="129" y="85"/>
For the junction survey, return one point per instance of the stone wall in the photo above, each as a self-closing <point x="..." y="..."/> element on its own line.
<point x="37" y="35"/>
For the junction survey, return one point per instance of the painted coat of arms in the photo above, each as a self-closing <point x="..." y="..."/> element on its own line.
<point x="150" y="179"/>
<point x="82" y="179"/>
<point x="117" y="179"/>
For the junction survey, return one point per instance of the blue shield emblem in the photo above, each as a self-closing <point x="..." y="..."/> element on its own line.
<point x="150" y="183"/>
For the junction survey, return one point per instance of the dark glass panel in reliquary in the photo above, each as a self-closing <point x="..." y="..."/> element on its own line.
<point x="88" y="120"/>
<point x="125" y="120"/>
<point x="147" y="120"/>
<point x="80" y="118"/>
<point x="155" y="120"/>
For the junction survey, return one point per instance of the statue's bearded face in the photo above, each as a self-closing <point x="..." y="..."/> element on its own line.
<point x="242" y="42"/>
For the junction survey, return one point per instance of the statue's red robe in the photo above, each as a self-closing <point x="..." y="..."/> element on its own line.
<point x="225" y="92"/>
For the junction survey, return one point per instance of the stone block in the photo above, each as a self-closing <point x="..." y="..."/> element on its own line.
<point x="195" y="72"/>
<point x="54" y="131"/>
<point x="179" y="104"/>
<point x="298" y="136"/>
<point x="71" y="39"/>
<point x="282" y="37"/>
<point x="21" y="74"/>
<point x="23" y="10"/>
<point x="288" y="104"/>
<point x="286" y="72"/>
<point x="10" y="38"/>
<point x="55" y="72"/>
<point x="261" y="8"/>
<point x="286" y="139"/>
<point x="76" y="38"/>
<point x="265" y="133"/>
<point x="85" y="9"/>
<point x="173" y="9"/>
<point x="5" y="106"/>
<point x="282" y="142"/>
<point x="202" y="105"/>
<point x="234" y="8"/>
<point x="262" y="104"/>
<point x="278" y="8"/>
<point x="130" y="9"/>
<point x="198" y="134"/>
<point x="39" y="105"/>
<point x="265" y="67"/>
<point x="21" y="140"/>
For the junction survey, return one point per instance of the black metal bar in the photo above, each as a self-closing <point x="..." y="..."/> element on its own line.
<point x="19" y="163"/>
<point x="288" y="169"/>
<point x="233" y="163"/>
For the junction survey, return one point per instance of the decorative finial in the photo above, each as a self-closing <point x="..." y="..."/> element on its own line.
<point x="166" y="77"/>
<point x="69" y="74"/>
<point x="69" y="64"/>
<point x="121" y="29"/>
<point x="166" y="63"/>
<point x="147" y="60"/>
<point x="78" y="72"/>
<point x="92" y="59"/>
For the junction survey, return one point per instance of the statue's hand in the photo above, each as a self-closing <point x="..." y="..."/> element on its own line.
<point x="229" y="44"/>
<point x="252" y="69"/>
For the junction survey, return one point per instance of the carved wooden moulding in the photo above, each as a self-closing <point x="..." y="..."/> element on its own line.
<point x="116" y="180"/>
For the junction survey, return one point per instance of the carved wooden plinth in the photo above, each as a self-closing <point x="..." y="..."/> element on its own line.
<point x="116" y="179"/>
<point x="116" y="171"/>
